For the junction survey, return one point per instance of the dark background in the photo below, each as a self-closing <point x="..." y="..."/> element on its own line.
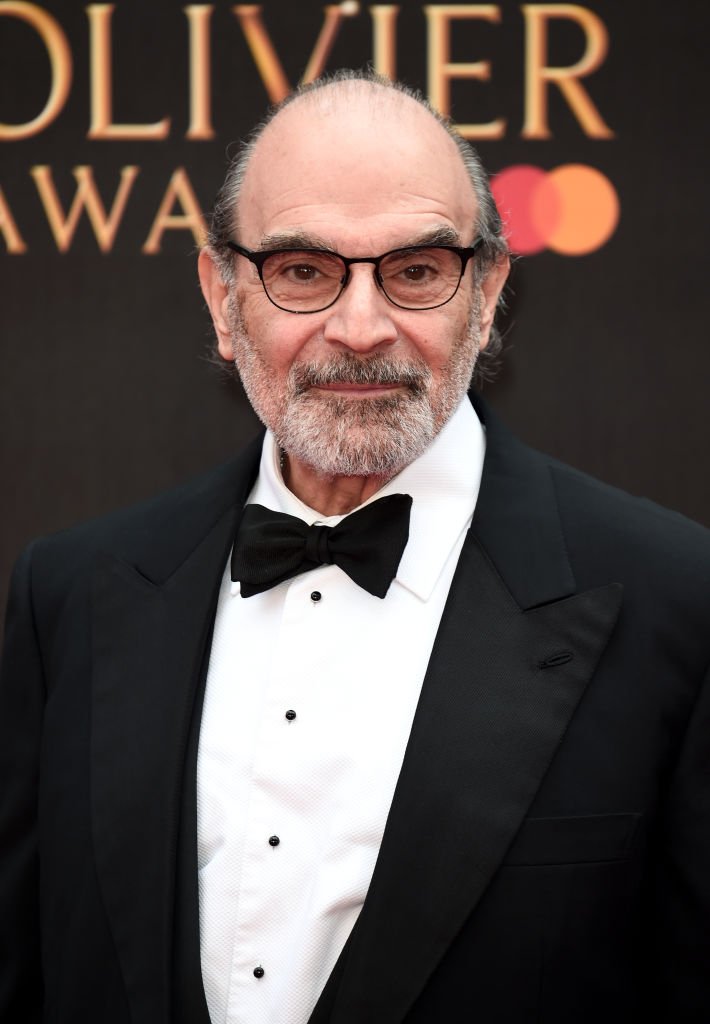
<point x="108" y="395"/>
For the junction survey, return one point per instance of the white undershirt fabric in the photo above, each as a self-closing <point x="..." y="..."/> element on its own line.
<point x="318" y="785"/>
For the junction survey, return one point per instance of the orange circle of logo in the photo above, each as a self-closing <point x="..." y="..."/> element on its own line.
<point x="573" y="209"/>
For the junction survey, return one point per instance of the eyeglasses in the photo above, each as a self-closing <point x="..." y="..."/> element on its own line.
<point x="311" y="280"/>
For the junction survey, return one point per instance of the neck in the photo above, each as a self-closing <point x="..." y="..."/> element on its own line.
<point x="331" y="496"/>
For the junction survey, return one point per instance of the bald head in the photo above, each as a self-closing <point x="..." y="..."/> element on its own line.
<point x="360" y="157"/>
<point x="359" y="144"/>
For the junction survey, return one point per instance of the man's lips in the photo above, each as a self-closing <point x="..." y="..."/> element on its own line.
<point x="357" y="390"/>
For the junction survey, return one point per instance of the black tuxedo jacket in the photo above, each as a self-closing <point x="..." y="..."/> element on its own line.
<point x="547" y="854"/>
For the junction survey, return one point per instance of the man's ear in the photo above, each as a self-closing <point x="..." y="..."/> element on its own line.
<point x="491" y="287"/>
<point x="216" y="295"/>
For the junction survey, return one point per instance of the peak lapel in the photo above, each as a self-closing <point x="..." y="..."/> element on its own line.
<point x="502" y="685"/>
<point x="151" y="627"/>
<point x="149" y="643"/>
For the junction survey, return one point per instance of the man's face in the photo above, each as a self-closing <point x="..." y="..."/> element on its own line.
<point x="363" y="387"/>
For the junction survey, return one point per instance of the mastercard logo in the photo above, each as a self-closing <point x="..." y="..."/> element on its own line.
<point x="572" y="209"/>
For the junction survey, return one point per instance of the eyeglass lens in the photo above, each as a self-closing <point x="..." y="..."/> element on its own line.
<point x="303" y="281"/>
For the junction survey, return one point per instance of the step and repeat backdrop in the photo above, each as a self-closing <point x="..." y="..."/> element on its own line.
<point x="116" y="123"/>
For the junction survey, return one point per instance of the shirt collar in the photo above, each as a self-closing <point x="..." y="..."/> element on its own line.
<point x="443" y="482"/>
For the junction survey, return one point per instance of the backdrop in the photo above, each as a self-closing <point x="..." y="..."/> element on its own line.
<point x="116" y="122"/>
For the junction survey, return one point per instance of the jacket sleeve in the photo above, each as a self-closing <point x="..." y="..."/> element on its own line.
<point x="21" y="713"/>
<point x="683" y="879"/>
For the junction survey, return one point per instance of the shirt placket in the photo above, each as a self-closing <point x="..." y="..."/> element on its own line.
<point x="275" y="862"/>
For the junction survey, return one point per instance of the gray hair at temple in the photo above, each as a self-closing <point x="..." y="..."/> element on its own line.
<point x="224" y="223"/>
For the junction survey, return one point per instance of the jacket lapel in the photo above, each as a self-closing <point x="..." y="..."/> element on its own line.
<point x="513" y="655"/>
<point x="151" y="623"/>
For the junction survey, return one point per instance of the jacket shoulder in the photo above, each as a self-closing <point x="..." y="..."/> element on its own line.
<point x="650" y="543"/>
<point x="172" y="521"/>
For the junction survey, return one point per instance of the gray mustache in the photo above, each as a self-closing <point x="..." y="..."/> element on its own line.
<point x="372" y="371"/>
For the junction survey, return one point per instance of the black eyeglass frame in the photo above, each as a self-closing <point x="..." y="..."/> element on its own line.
<point x="259" y="256"/>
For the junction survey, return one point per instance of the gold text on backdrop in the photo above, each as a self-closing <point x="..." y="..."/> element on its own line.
<point x="439" y="19"/>
<point x="105" y="223"/>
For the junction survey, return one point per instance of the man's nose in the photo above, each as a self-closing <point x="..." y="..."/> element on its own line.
<point x="361" y="319"/>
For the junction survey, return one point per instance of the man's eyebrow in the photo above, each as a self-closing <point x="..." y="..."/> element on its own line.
<point x="292" y="240"/>
<point x="443" y="234"/>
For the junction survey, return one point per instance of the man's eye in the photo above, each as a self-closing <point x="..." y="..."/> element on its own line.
<point x="301" y="272"/>
<point x="417" y="272"/>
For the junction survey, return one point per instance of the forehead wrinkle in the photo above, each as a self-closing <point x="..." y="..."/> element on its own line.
<point x="384" y="197"/>
<point x="303" y="188"/>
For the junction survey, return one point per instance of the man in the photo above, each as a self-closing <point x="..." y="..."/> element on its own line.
<point x="391" y="719"/>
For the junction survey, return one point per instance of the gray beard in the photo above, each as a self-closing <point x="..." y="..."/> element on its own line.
<point x="339" y="436"/>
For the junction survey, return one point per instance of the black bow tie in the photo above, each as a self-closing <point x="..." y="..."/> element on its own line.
<point x="272" y="547"/>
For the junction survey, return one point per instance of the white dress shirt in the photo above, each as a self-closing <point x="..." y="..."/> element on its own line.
<point x="311" y="692"/>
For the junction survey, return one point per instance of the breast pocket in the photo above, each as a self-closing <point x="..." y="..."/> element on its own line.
<point x="588" y="838"/>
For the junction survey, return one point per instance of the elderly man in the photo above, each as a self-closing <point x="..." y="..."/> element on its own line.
<point x="391" y="719"/>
